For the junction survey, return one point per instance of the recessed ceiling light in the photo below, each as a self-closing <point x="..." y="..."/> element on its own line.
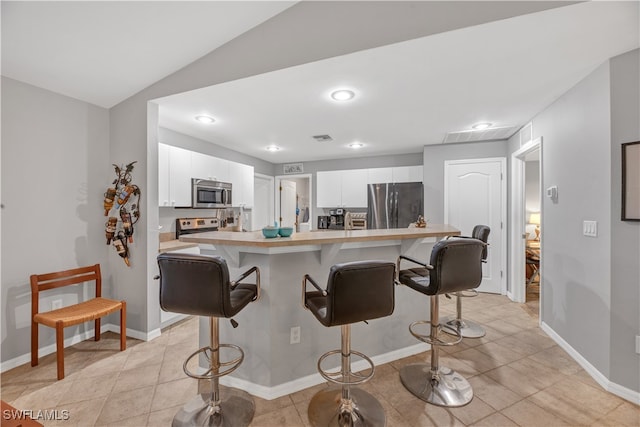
<point x="273" y="148"/>
<point x="205" y="119"/>
<point x="342" y="95"/>
<point x="481" y="126"/>
<point x="356" y="145"/>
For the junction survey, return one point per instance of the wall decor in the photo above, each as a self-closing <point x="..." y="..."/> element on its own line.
<point x="292" y="168"/>
<point x="631" y="181"/>
<point x="124" y="197"/>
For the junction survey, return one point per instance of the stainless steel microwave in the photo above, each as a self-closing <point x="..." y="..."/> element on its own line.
<point x="210" y="194"/>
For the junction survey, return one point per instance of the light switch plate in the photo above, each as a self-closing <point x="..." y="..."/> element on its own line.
<point x="590" y="228"/>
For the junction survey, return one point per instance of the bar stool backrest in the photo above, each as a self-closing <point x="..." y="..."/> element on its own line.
<point x="195" y="284"/>
<point x="456" y="265"/>
<point x="360" y="290"/>
<point x="481" y="232"/>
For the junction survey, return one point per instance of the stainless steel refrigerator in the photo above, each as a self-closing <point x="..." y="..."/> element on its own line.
<point x="394" y="205"/>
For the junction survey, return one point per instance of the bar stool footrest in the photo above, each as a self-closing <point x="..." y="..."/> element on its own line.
<point x="236" y="409"/>
<point x="467" y="328"/>
<point x="232" y="364"/>
<point x="468" y="293"/>
<point x="445" y="387"/>
<point x="331" y="376"/>
<point x="325" y="409"/>
<point x="435" y="341"/>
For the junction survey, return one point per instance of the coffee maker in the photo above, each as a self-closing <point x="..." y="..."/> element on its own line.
<point x="336" y="219"/>
<point x="323" y="222"/>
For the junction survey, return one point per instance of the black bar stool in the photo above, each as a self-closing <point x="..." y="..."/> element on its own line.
<point x="356" y="291"/>
<point x="200" y="286"/>
<point x="455" y="265"/>
<point x="469" y="328"/>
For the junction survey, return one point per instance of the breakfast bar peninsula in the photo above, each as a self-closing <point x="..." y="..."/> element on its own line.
<point x="281" y="359"/>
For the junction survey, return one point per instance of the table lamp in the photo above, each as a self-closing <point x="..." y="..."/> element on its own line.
<point x="534" y="218"/>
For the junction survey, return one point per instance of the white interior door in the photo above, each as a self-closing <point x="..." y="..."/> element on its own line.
<point x="287" y="204"/>
<point x="262" y="212"/>
<point x="475" y="193"/>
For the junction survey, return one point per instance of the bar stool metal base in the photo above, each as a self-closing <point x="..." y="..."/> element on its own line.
<point x="467" y="328"/>
<point x="236" y="409"/>
<point x="365" y="411"/>
<point x="449" y="389"/>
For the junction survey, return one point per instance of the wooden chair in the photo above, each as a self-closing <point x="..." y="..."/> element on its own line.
<point x="93" y="309"/>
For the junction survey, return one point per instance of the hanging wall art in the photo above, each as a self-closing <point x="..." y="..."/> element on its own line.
<point x="123" y="197"/>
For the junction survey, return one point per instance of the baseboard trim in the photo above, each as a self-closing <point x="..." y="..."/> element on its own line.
<point x="620" y="391"/>
<point x="270" y="393"/>
<point x="68" y="342"/>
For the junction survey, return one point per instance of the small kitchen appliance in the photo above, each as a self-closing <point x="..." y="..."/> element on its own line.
<point x="195" y="225"/>
<point x="323" y="222"/>
<point x="355" y="221"/>
<point x="210" y="194"/>
<point x="336" y="219"/>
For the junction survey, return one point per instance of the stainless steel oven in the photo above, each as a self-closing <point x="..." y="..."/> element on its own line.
<point x="210" y="194"/>
<point x="195" y="225"/>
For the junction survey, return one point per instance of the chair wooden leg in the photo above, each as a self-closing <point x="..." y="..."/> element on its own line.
<point x="60" y="349"/>
<point x="97" y="329"/>
<point x="123" y="326"/>
<point x="34" y="344"/>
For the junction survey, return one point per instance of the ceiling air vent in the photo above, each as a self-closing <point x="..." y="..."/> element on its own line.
<point x="322" y="138"/>
<point x="480" y="135"/>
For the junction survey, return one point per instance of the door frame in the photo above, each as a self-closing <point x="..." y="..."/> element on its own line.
<point x="278" y="178"/>
<point x="269" y="178"/>
<point x="517" y="276"/>
<point x="503" y="207"/>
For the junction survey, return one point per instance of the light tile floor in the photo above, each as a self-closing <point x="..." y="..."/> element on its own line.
<point x="520" y="377"/>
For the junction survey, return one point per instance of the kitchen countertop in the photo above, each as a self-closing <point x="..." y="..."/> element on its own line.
<point x="174" y="245"/>
<point x="256" y="239"/>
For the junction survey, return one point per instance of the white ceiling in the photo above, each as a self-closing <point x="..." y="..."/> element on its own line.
<point x="412" y="93"/>
<point x="408" y="94"/>
<point x="104" y="52"/>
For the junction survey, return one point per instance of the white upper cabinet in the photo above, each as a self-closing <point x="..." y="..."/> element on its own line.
<point x="408" y="174"/>
<point x="241" y="177"/>
<point x="379" y="175"/>
<point x="163" y="175"/>
<point x="176" y="167"/>
<point x="329" y="189"/>
<point x="354" y="188"/>
<point x="346" y="188"/>
<point x="179" y="177"/>
<point x="209" y="167"/>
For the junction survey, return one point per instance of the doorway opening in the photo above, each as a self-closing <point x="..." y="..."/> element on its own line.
<point x="293" y="201"/>
<point x="526" y="230"/>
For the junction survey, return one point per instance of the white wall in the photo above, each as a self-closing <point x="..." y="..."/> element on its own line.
<point x="55" y="170"/>
<point x="625" y="235"/>
<point x="576" y="270"/>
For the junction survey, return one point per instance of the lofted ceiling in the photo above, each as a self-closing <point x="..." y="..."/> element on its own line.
<point x="103" y="52"/>
<point x="408" y="94"/>
<point x="412" y="93"/>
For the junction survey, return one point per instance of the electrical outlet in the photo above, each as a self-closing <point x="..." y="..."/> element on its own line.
<point x="294" y="337"/>
<point x="638" y="344"/>
<point x="56" y="304"/>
